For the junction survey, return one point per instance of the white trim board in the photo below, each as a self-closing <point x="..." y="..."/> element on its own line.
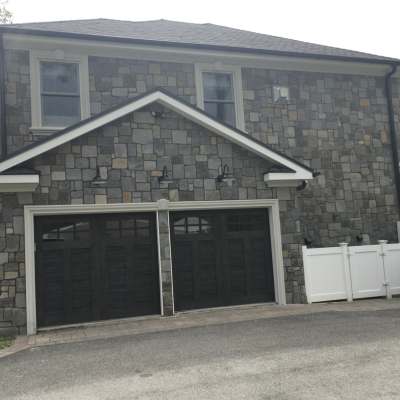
<point x="18" y="183"/>
<point x="185" y="55"/>
<point x="31" y="211"/>
<point x="181" y="108"/>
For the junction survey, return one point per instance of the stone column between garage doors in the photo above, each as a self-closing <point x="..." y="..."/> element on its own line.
<point x="164" y="246"/>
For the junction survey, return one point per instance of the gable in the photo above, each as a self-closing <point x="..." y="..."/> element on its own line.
<point x="130" y="154"/>
<point x="298" y="171"/>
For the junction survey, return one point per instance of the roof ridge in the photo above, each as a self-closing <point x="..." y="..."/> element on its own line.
<point x="113" y="19"/>
<point x="55" y="21"/>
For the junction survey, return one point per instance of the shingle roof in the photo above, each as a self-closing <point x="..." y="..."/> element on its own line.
<point x="189" y="34"/>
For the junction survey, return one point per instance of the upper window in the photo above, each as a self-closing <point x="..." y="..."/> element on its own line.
<point x="59" y="90"/>
<point x="219" y="100"/>
<point x="60" y="94"/>
<point x="219" y="93"/>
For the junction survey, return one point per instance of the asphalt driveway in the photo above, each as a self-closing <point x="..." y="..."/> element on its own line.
<point x="330" y="355"/>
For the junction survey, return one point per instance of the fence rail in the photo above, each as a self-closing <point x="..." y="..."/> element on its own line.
<point x="352" y="272"/>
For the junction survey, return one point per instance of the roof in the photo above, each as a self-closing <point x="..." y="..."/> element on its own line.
<point x="164" y="32"/>
<point x="297" y="170"/>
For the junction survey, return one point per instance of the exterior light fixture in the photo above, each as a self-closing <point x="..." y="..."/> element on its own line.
<point x="157" y="111"/>
<point x="157" y="114"/>
<point x="164" y="178"/>
<point x="302" y="186"/>
<point x="225" y="176"/>
<point x="99" y="179"/>
<point x="308" y="242"/>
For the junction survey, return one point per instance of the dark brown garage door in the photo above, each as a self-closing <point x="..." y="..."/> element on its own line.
<point x="95" y="267"/>
<point x="221" y="258"/>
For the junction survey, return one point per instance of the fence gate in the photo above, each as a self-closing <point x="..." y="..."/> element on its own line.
<point x="366" y="271"/>
<point x="337" y="273"/>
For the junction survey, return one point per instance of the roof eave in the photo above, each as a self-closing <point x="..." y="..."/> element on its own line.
<point x="112" y="39"/>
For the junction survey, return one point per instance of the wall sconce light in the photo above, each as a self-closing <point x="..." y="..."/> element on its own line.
<point x="308" y="242"/>
<point x="157" y="114"/>
<point x="98" y="180"/>
<point x="225" y="176"/>
<point x="164" y="178"/>
<point x="302" y="186"/>
<point x="157" y="110"/>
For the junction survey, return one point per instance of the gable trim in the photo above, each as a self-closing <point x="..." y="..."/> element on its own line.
<point x="299" y="171"/>
<point x="18" y="183"/>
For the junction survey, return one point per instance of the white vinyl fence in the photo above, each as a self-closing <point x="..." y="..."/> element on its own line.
<point x="352" y="272"/>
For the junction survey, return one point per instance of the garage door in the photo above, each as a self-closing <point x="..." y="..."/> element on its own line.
<point x="221" y="258"/>
<point x="95" y="267"/>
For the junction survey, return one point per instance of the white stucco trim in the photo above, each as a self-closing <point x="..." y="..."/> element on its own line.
<point x="179" y="107"/>
<point x="35" y="57"/>
<point x="31" y="211"/>
<point x="236" y="73"/>
<point x="18" y="183"/>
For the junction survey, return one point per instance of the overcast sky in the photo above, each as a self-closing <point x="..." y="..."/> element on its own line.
<point x="366" y="25"/>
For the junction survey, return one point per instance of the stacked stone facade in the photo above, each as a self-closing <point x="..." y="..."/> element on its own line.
<point x="336" y="124"/>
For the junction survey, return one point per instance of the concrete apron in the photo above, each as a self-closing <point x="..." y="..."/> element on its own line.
<point x="197" y="318"/>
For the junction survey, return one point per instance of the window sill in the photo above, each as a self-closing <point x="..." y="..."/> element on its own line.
<point x="45" y="130"/>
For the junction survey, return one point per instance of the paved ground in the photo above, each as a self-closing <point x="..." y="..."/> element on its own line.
<point x="217" y="316"/>
<point x="343" y="354"/>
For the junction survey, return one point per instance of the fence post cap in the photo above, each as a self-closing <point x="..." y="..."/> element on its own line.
<point x="343" y="244"/>
<point x="382" y="241"/>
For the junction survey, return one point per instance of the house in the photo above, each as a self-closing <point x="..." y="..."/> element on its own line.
<point x="153" y="167"/>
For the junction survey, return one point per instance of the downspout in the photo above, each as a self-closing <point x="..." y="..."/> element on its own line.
<point x="3" y="125"/>
<point x="392" y="129"/>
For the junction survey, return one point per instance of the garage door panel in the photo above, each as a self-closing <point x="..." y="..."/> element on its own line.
<point x="221" y="258"/>
<point x="96" y="267"/>
<point x="206" y="270"/>
<point x="51" y="276"/>
<point x="183" y="272"/>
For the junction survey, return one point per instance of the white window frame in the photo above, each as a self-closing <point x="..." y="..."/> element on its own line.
<point x="36" y="57"/>
<point x="236" y="73"/>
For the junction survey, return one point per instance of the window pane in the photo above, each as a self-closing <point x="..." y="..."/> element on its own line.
<point x="179" y="230"/>
<point x="180" y="221"/>
<point x="60" y="110"/>
<point x="82" y="226"/>
<point x="193" y="228"/>
<point x="193" y="220"/>
<point x="52" y="235"/>
<point x="59" y="77"/>
<point x="222" y="111"/>
<point x="217" y="86"/>
<point x="128" y="223"/>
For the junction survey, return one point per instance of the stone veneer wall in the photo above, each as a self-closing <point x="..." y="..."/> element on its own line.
<point x="115" y="80"/>
<point x="131" y="154"/>
<point x="335" y="123"/>
<point x="338" y="125"/>
<point x="111" y="81"/>
<point x="18" y="99"/>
